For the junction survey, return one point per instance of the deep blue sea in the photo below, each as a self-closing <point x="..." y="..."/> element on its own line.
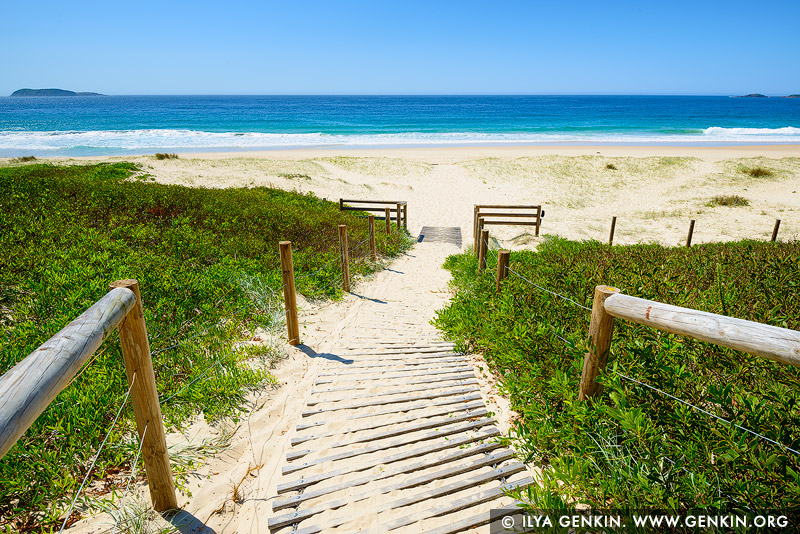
<point x="120" y="125"/>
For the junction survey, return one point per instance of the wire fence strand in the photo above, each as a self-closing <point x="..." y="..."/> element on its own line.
<point x="97" y="455"/>
<point x="710" y="414"/>
<point x="130" y="478"/>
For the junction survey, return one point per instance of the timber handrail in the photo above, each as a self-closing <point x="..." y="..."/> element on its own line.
<point x="400" y="209"/>
<point x="29" y="387"/>
<point x="767" y="341"/>
<point x="482" y="218"/>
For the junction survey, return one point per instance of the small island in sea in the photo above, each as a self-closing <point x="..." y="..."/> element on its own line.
<point x="50" y="92"/>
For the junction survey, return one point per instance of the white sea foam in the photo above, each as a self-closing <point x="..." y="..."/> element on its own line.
<point x="129" y="141"/>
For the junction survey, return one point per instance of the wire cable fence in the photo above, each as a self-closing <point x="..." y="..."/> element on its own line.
<point x="571" y="346"/>
<point x="97" y="454"/>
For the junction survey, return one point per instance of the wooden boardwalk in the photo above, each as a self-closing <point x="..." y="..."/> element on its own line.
<point x="395" y="436"/>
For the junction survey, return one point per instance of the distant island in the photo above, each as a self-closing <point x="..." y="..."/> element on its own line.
<point x="50" y="92"/>
<point x="759" y="95"/>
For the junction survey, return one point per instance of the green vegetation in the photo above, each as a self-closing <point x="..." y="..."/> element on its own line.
<point x="728" y="200"/>
<point x="23" y="159"/>
<point x="207" y="262"/>
<point x="611" y="167"/>
<point x="160" y="155"/>
<point x="759" y="172"/>
<point x="633" y="446"/>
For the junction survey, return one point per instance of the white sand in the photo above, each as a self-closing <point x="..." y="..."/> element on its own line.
<point x="654" y="192"/>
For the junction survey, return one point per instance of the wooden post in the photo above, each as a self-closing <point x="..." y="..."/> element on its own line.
<point x="600" y="329"/>
<point x="502" y="266"/>
<point x="341" y="204"/>
<point x="144" y="398"/>
<point x="399" y="213"/>
<point x="611" y="234"/>
<point x="388" y="215"/>
<point x="405" y="216"/>
<point x="482" y="250"/>
<point x="775" y="230"/>
<point x="289" y="295"/>
<point x="538" y="220"/>
<point x="691" y="231"/>
<point x="345" y="257"/>
<point x="373" y="253"/>
<point x="475" y="212"/>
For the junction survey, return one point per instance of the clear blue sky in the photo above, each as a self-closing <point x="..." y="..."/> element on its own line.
<point x="402" y="47"/>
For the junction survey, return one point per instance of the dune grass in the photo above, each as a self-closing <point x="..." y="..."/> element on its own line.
<point x="208" y="266"/>
<point x="728" y="200"/>
<point x="633" y="446"/>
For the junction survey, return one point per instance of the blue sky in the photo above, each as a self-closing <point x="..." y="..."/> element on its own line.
<point x="402" y="47"/>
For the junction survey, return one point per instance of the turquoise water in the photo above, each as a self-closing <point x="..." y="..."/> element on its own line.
<point x="119" y="125"/>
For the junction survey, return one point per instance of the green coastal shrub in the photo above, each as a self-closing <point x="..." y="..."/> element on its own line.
<point x="634" y="446"/>
<point x="208" y="266"/>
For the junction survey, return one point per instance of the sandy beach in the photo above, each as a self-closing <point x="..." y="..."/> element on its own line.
<point x="653" y="191"/>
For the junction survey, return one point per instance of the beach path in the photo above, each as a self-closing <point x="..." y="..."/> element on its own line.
<point x="395" y="433"/>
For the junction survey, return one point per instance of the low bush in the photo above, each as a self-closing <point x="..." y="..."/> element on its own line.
<point x="209" y="271"/>
<point x="634" y="446"/>
<point x="160" y="155"/>
<point x="728" y="200"/>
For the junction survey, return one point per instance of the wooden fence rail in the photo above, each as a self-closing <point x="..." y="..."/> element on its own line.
<point x="30" y="386"/>
<point x="482" y="218"/>
<point x="771" y="342"/>
<point x="385" y="209"/>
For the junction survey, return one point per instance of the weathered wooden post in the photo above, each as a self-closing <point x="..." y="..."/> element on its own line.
<point x="341" y="204"/>
<point x="405" y="216"/>
<point x="600" y="329"/>
<point x="538" y="220"/>
<point x="482" y="249"/>
<point x="345" y="257"/>
<point x="373" y="253"/>
<point x="691" y="231"/>
<point x="388" y="218"/>
<point x="775" y="230"/>
<point x="144" y="398"/>
<point x="611" y="234"/>
<point x="502" y="266"/>
<point x="289" y="295"/>
<point x="475" y="212"/>
<point x="399" y="213"/>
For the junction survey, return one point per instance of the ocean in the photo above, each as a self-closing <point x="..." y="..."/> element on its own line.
<point x="122" y="125"/>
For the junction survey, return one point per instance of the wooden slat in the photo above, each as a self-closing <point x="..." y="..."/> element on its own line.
<point x="428" y="448"/>
<point x="386" y="393"/>
<point x="483" y="461"/>
<point x="382" y="370"/>
<point x="378" y="424"/>
<point x="378" y="357"/>
<point x="398" y="408"/>
<point x="420" y="350"/>
<point x="505" y="214"/>
<point x="448" y="431"/>
<point x="509" y="206"/>
<point x="380" y="402"/>
<point x="428" y="494"/>
<point x="402" y="382"/>
<point x="386" y="434"/>
<point x="463" y="503"/>
<point x="478" y="520"/>
<point x="374" y="201"/>
<point x="511" y="223"/>
<point x="347" y="378"/>
<point x="377" y="364"/>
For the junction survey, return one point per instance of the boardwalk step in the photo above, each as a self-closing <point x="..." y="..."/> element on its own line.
<point x="378" y="424"/>
<point x="382" y="377"/>
<point x="379" y="402"/>
<point x="485" y="460"/>
<point x="453" y="443"/>
<point x="447" y="431"/>
<point x="383" y="370"/>
<point x="442" y="491"/>
<point x="398" y="408"/>
<point x="431" y="423"/>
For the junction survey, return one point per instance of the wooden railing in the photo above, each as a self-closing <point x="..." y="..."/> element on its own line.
<point x="516" y="217"/>
<point x="771" y="342"/>
<point x="29" y="387"/>
<point x="400" y="210"/>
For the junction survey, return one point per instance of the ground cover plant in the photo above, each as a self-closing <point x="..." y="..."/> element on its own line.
<point x="209" y="271"/>
<point x="633" y="446"/>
